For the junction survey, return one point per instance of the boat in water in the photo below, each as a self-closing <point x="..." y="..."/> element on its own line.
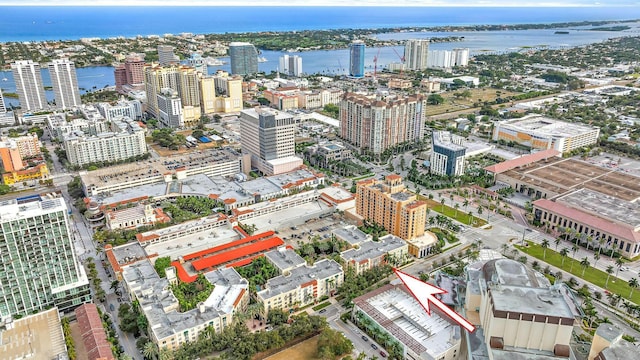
<point x="262" y="59"/>
<point x="214" y="62"/>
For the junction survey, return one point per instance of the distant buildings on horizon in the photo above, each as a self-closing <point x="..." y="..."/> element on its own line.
<point x="356" y="58"/>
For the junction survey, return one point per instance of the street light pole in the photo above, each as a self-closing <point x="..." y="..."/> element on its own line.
<point x="524" y="229"/>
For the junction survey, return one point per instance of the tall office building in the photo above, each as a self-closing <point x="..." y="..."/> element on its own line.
<point x="3" y="108"/>
<point x="269" y="137"/>
<point x="29" y="87"/>
<point x="388" y="203"/>
<point x="38" y="264"/>
<point x="197" y="62"/>
<point x="356" y="59"/>
<point x="376" y="125"/>
<point x="244" y="58"/>
<point x="415" y="54"/>
<point x="447" y="156"/>
<point x="166" y="55"/>
<point x="65" y="83"/>
<point x="291" y="65"/>
<point x="130" y="73"/>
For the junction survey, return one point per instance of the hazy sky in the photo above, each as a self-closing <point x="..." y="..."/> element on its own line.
<point x="540" y="3"/>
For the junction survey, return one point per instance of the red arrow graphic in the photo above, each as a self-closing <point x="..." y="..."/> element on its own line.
<point x="424" y="293"/>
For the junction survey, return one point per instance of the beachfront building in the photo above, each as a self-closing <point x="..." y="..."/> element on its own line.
<point x="356" y="58"/>
<point x="269" y="137"/>
<point x="301" y="286"/>
<point x="387" y="203"/>
<point x="65" y="83"/>
<point x="39" y="268"/>
<point x="243" y="57"/>
<point x="448" y="154"/>
<point x="416" y="52"/>
<point x="123" y="139"/>
<point x="374" y="125"/>
<point x="540" y="132"/>
<point x="29" y="86"/>
<point x="409" y="331"/>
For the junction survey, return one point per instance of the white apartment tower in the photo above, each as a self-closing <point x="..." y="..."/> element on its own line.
<point x="170" y="109"/>
<point x="39" y="268"/>
<point x="291" y="65"/>
<point x="416" y="52"/>
<point x="29" y="86"/>
<point x="65" y="83"/>
<point x="269" y="137"/>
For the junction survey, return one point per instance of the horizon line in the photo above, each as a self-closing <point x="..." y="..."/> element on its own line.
<point x="379" y="5"/>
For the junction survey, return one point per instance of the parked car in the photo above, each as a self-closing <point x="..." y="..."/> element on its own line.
<point x="374" y="346"/>
<point x="365" y="338"/>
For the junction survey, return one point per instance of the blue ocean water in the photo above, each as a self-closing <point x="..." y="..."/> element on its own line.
<point x="56" y="23"/>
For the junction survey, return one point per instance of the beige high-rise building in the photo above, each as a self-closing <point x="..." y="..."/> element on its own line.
<point x="375" y="125"/>
<point x="415" y="54"/>
<point x="220" y="93"/>
<point x="389" y="204"/>
<point x="182" y="79"/>
<point x="29" y="87"/>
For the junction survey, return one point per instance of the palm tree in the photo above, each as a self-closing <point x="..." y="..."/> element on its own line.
<point x="633" y="284"/>
<point x="442" y="203"/>
<point x="150" y="350"/>
<point x="456" y="207"/>
<point x="451" y="198"/>
<point x="557" y="242"/>
<point x="609" y="272"/>
<point x="619" y="264"/>
<point x="544" y="245"/>
<point x="585" y="264"/>
<point x="589" y="239"/>
<point x="596" y="257"/>
<point x="574" y="248"/>
<point x="601" y="241"/>
<point x="505" y="247"/>
<point x="465" y="203"/>
<point x="563" y="253"/>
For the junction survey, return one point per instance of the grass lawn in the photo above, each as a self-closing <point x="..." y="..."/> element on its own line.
<point x="321" y="306"/>
<point x="594" y="276"/>
<point x="460" y="215"/>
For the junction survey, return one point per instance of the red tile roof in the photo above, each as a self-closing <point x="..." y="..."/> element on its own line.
<point x="183" y="275"/>
<point x="203" y="253"/>
<point x="523" y="160"/>
<point x="236" y="254"/>
<point x="622" y="231"/>
<point x="93" y="335"/>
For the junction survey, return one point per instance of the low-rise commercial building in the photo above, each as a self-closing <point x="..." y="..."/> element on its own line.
<point x="541" y="132"/>
<point x="412" y="332"/>
<point x="136" y="216"/>
<point x="93" y="334"/>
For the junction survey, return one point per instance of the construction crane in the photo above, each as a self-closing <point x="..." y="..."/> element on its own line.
<point x="401" y="59"/>
<point x="375" y="63"/>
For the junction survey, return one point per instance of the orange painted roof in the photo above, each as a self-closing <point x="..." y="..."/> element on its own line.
<point x="523" y="160"/>
<point x="238" y="253"/>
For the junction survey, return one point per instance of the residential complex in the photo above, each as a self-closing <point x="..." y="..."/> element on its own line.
<point x="389" y="249"/>
<point x="39" y="268"/>
<point x="356" y="59"/>
<point x="269" y="137"/>
<point x="3" y="108"/>
<point x="387" y="203"/>
<point x="446" y="59"/>
<point x="448" y="154"/>
<point x="244" y="58"/>
<point x="374" y="125"/>
<point x="29" y="85"/>
<point x="329" y="153"/>
<point x="123" y="108"/>
<point x="65" y="83"/>
<point x="170" y="113"/>
<point x="540" y="132"/>
<point x="415" y="54"/>
<point x="519" y="312"/>
<point x="22" y="160"/>
<point x="179" y="78"/>
<point x="220" y="93"/>
<point x="169" y="327"/>
<point x="301" y="286"/>
<point x="314" y="99"/>
<point x="291" y="65"/>
<point x="123" y="139"/>
<point x="394" y="311"/>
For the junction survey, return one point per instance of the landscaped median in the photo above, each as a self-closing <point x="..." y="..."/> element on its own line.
<point x="592" y="275"/>
<point x="458" y="215"/>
